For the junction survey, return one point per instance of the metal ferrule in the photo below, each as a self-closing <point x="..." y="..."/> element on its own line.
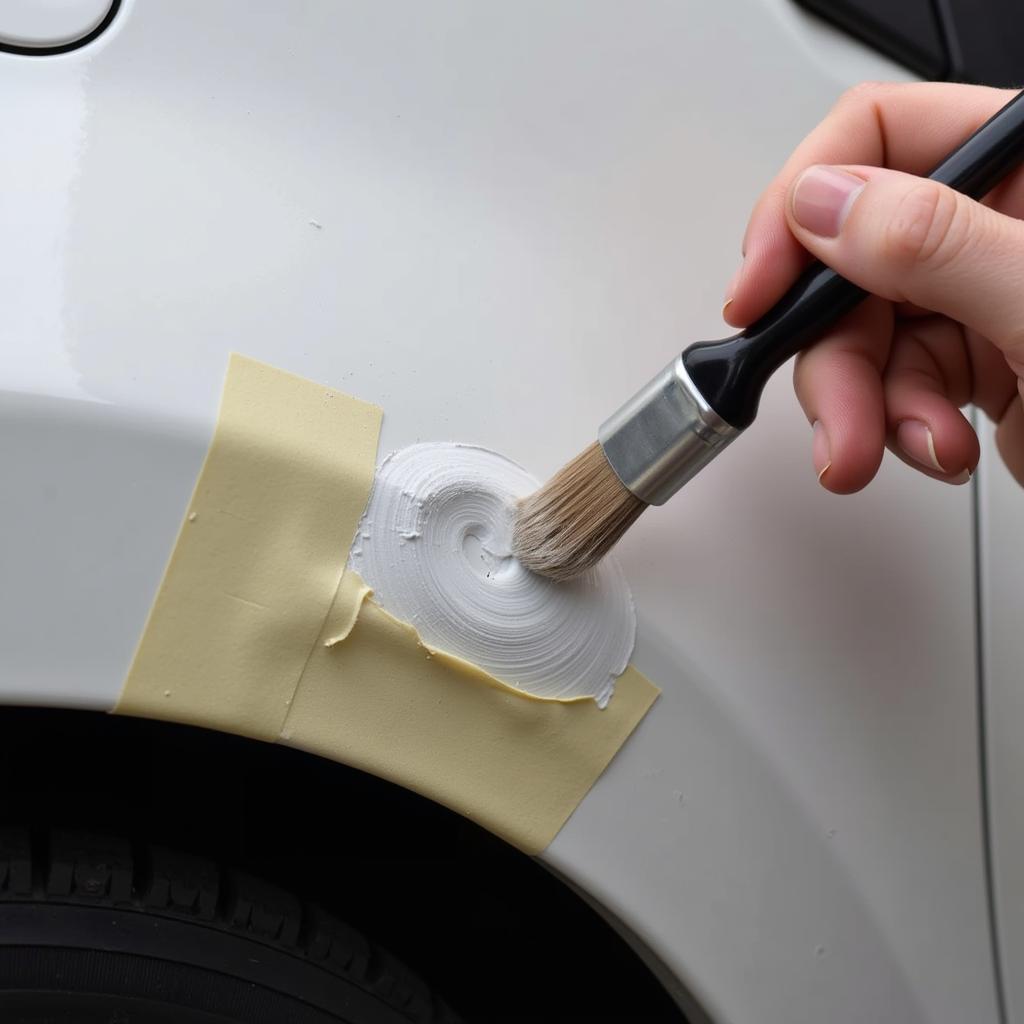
<point x="664" y="435"/>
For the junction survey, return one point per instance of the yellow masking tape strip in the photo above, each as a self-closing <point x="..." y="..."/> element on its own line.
<point x="252" y="632"/>
<point x="259" y="555"/>
<point x="516" y="765"/>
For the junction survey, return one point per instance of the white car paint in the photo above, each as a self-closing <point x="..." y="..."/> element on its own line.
<point x="496" y="220"/>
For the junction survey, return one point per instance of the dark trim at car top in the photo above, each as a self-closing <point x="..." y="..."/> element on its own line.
<point x="74" y="44"/>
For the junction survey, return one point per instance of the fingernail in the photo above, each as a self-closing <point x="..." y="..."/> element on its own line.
<point x="915" y="438"/>
<point x="820" y="450"/>
<point x="730" y="288"/>
<point x="962" y="478"/>
<point x="822" y="198"/>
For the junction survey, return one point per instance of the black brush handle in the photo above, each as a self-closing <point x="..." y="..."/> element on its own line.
<point x="731" y="374"/>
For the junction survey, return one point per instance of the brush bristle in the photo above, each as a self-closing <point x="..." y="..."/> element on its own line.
<point x="572" y="522"/>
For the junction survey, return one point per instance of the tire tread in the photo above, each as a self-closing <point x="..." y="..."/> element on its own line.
<point x="72" y="866"/>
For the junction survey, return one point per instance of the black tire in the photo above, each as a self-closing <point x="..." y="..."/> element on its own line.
<point x="103" y="931"/>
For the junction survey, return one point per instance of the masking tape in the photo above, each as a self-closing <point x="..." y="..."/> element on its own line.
<point x="516" y="764"/>
<point x="256" y="629"/>
<point x="259" y="555"/>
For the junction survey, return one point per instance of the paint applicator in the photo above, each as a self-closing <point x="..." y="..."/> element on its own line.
<point x="702" y="401"/>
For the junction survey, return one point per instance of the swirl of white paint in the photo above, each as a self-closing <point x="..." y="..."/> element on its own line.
<point x="435" y="544"/>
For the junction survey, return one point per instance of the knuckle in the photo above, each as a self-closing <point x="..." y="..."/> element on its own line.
<point x="930" y="227"/>
<point x="855" y="92"/>
<point x="862" y="93"/>
<point x="1012" y="345"/>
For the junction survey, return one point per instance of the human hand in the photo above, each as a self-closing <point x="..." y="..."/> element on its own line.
<point x="944" y="326"/>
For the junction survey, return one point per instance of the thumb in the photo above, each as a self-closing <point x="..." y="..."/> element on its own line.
<point x="910" y="239"/>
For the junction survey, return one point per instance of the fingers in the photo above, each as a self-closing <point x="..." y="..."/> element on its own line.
<point x="993" y="383"/>
<point x="911" y="240"/>
<point x="1010" y="438"/>
<point x="927" y="378"/>
<point x="862" y="391"/>
<point x="906" y="126"/>
<point x="839" y="385"/>
<point x="918" y="245"/>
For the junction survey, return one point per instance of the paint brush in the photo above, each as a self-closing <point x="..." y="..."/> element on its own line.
<point x="702" y="401"/>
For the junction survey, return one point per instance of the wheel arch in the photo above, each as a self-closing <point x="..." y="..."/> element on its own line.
<point x="452" y="900"/>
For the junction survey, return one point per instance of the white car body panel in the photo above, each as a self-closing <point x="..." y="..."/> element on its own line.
<point x="496" y="221"/>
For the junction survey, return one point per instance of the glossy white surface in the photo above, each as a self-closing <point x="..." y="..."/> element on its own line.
<point x="49" y="22"/>
<point x="1001" y="513"/>
<point x="496" y="221"/>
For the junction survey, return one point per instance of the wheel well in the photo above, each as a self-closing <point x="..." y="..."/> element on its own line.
<point x="482" y="922"/>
